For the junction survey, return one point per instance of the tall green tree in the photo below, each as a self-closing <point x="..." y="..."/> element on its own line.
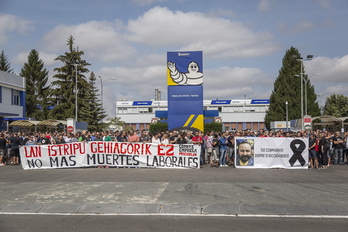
<point x="72" y="73"/>
<point x="336" y="105"/>
<point x="93" y="114"/>
<point x="5" y="64"/>
<point x="158" y="127"/>
<point x="37" y="90"/>
<point x="213" y="126"/>
<point x="287" y="87"/>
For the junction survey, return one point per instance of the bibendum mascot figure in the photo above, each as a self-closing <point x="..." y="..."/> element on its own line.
<point x="192" y="77"/>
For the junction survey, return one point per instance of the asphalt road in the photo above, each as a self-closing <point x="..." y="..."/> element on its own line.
<point x="334" y="174"/>
<point x="39" y="223"/>
<point x="209" y="199"/>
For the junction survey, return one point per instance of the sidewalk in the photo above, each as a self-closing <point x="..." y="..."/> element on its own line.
<point x="163" y="198"/>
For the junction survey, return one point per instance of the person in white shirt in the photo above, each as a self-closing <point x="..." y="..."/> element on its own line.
<point x="165" y="139"/>
<point x="155" y="139"/>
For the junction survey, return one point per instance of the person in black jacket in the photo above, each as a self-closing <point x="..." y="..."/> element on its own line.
<point x="313" y="156"/>
<point x="324" y="146"/>
<point x="15" y="144"/>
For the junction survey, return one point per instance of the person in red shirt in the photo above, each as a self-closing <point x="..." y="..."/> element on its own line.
<point x="133" y="137"/>
<point x="265" y="134"/>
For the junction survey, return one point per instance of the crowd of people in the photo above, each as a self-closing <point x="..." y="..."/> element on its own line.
<point x="325" y="148"/>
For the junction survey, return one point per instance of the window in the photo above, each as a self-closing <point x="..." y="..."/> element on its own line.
<point x="143" y="110"/>
<point x="16" y="100"/>
<point x="132" y="110"/>
<point x="15" y="97"/>
<point x="122" y="110"/>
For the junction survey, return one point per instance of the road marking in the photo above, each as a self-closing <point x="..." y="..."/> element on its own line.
<point x="184" y="215"/>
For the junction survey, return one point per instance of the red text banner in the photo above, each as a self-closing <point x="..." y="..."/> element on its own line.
<point x="113" y="154"/>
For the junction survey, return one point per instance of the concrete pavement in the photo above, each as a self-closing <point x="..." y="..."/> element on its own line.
<point x="209" y="191"/>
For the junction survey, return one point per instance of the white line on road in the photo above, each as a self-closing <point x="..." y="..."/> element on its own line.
<point x="183" y="215"/>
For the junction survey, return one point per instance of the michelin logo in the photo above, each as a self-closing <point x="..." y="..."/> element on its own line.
<point x="192" y="77"/>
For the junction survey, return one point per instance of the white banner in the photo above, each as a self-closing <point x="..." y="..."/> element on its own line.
<point x="258" y="152"/>
<point x="113" y="154"/>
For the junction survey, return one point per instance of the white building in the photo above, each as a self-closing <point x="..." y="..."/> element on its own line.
<point x="12" y="97"/>
<point x="236" y="114"/>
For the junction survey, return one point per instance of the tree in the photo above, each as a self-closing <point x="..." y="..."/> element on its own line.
<point x="336" y="105"/>
<point x="5" y="64"/>
<point x="37" y="90"/>
<point x="158" y="127"/>
<point x="287" y="87"/>
<point x="93" y="114"/>
<point x="71" y="72"/>
<point x="213" y="126"/>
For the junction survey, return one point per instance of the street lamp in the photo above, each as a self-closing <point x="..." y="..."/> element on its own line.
<point x="305" y="98"/>
<point x="309" y="57"/>
<point x="75" y="92"/>
<point x="102" y="87"/>
<point x="244" y="102"/>
<point x="81" y="61"/>
<point x="320" y="103"/>
<point x="287" y="116"/>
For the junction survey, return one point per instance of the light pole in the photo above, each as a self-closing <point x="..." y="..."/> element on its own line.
<point x="305" y="98"/>
<point x="320" y="103"/>
<point x="70" y="62"/>
<point x="75" y="92"/>
<point x="244" y="102"/>
<point x="309" y="57"/>
<point x="287" y="116"/>
<point x="102" y="88"/>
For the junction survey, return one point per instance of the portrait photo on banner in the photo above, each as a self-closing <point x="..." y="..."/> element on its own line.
<point x="245" y="152"/>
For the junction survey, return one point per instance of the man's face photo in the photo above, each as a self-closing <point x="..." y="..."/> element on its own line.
<point x="244" y="152"/>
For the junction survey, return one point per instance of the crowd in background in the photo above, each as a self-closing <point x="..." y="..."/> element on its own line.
<point x="325" y="148"/>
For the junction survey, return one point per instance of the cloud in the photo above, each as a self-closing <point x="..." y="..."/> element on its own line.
<point x="222" y="13"/>
<point x="264" y="5"/>
<point x="333" y="74"/>
<point x="335" y="89"/>
<point x="217" y="37"/>
<point x="146" y="2"/>
<point x="137" y="77"/>
<point x="330" y="69"/>
<point x="227" y="83"/>
<point x="303" y="27"/>
<point x="299" y="28"/>
<point x="99" y="39"/>
<point x="132" y="83"/>
<point x="325" y="4"/>
<point x="11" y="23"/>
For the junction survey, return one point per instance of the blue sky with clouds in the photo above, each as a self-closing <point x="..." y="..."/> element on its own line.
<point x="243" y="42"/>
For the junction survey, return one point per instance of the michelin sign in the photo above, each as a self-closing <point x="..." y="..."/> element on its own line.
<point x="185" y="90"/>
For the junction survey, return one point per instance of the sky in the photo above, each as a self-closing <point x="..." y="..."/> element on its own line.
<point x="126" y="42"/>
